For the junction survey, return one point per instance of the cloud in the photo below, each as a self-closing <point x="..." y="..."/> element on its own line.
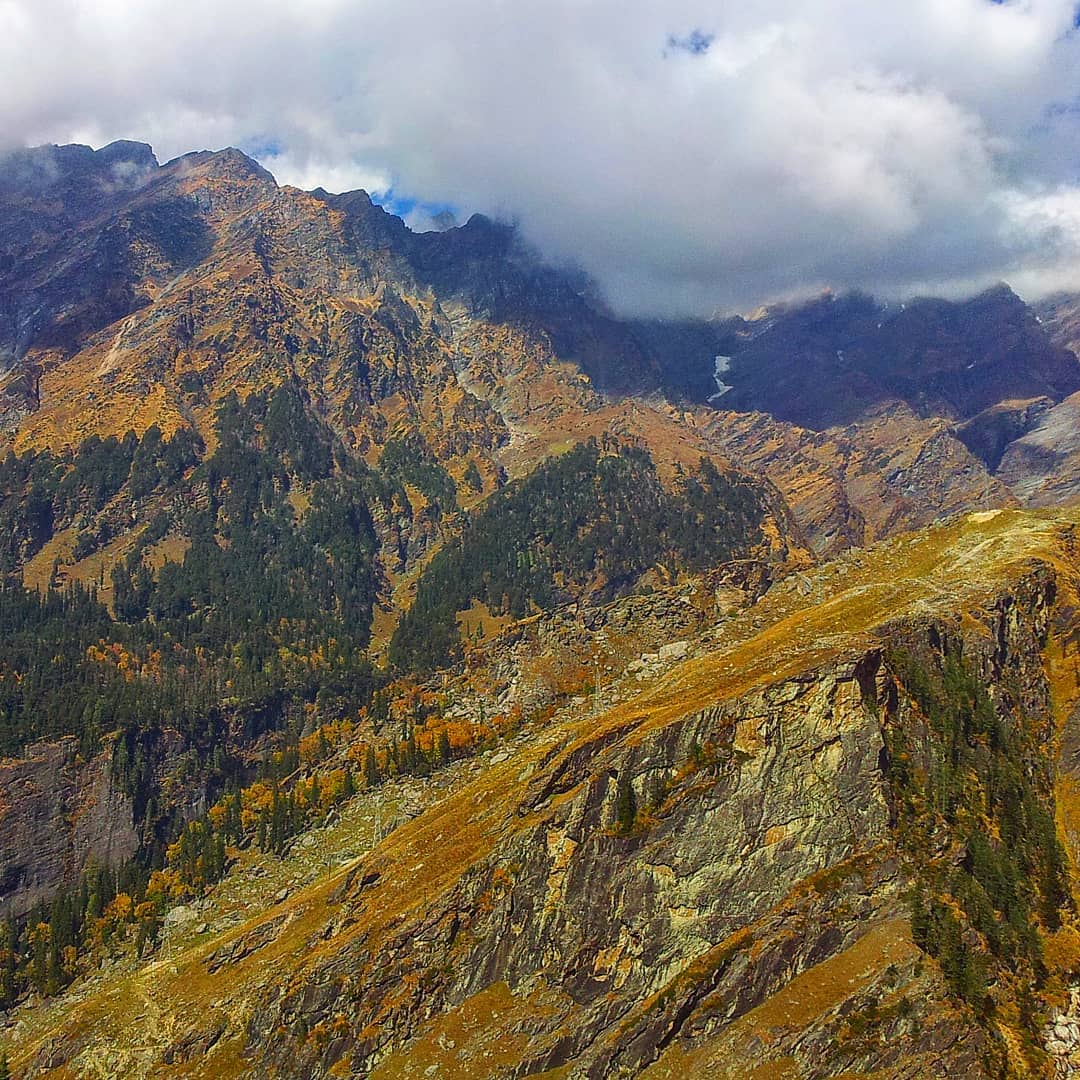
<point x="336" y="176"/>
<point x="692" y="155"/>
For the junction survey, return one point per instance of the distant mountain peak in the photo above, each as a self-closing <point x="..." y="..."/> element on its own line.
<point x="129" y="151"/>
<point x="37" y="168"/>
<point x="229" y="163"/>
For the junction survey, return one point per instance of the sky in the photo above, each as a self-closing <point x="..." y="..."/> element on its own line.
<point x="694" y="157"/>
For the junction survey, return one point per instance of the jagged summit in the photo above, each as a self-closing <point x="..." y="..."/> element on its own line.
<point x="126" y="150"/>
<point x="76" y="169"/>
<point x="227" y="163"/>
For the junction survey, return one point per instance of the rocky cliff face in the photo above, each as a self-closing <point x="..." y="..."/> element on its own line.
<point x="57" y="813"/>
<point x="762" y="846"/>
<point x="1043" y="465"/>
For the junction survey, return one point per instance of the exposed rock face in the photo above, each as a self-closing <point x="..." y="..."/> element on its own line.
<point x="636" y="947"/>
<point x="1062" y="1038"/>
<point x="57" y="812"/>
<point x="1043" y="466"/>
<point x="989" y="434"/>
<point x="1060" y="318"/>
<point x="889" y="473"/>
<point x="769" y="852"/>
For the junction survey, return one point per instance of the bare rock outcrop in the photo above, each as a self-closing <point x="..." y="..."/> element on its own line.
<point x="57" y="812"/>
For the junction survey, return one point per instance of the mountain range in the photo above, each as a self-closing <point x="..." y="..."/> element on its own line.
<point x="412" y="666"/>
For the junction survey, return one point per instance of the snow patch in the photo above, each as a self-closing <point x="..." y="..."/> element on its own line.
<point x="723" y="366"/>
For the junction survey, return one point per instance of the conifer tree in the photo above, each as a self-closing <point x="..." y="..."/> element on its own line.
<point x="625" y="804"/>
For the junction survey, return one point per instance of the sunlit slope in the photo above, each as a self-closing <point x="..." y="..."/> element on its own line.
<point x="397" y="953"/>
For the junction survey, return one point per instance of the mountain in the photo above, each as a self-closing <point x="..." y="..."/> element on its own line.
<point x="519" y="688"/>
<point x="240" y="466"/>
<point x="772" y="852"/>
<point x="207" y="253"/>
<point x="825" y="363"/>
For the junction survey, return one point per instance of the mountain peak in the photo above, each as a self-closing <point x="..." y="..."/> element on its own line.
<point x="227" y="164"/>
<point x="128" y="151"/>
<point x="35" y="168"/>
<point x="347" y="200"/>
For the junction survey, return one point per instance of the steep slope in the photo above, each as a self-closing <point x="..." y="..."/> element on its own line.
<point x="463" y="341"/>
<point x="890" y="472"/>
<point x="1060" y="318"/>
<point x="223" y="282"/>
<point x="227" y="280"/>
<point x="80" y="246"/>
<point x="57" y="813"/>
<point x="990" y="433"/>
<point x="244" y="591"/>
<point x="767" y="857"/>
<point x="1042" y="466"/>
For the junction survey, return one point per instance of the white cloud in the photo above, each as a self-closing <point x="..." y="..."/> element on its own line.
<point x="815" y="142"/>
<point x="333" y="176"/>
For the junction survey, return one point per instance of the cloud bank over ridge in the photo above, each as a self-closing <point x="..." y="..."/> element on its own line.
<point x="692" y="155"/>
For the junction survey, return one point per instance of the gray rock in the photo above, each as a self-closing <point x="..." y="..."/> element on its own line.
<point x="674" y="650"/>
<point x="179" y="915"/>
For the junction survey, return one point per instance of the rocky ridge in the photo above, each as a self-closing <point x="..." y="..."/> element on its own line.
<point x="142" y="294"/>
<point x="753" y="908"/>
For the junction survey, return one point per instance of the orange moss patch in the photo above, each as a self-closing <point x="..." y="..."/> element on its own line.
<point x="479" y="618"/>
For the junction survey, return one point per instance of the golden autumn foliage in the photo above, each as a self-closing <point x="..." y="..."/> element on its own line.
<point x="114" y="656"/>
<point x="121" y="908"/>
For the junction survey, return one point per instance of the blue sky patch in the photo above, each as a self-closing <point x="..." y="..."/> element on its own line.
<point x="696" y="43"/>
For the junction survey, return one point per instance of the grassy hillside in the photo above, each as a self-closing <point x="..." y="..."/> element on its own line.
<point x="849" y="968"/>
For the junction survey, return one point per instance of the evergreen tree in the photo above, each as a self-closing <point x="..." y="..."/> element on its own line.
<point x="625" y="804"/>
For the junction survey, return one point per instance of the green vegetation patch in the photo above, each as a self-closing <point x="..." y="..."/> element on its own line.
<point x="590" y="519"/>
<point x="974" y="800"/>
